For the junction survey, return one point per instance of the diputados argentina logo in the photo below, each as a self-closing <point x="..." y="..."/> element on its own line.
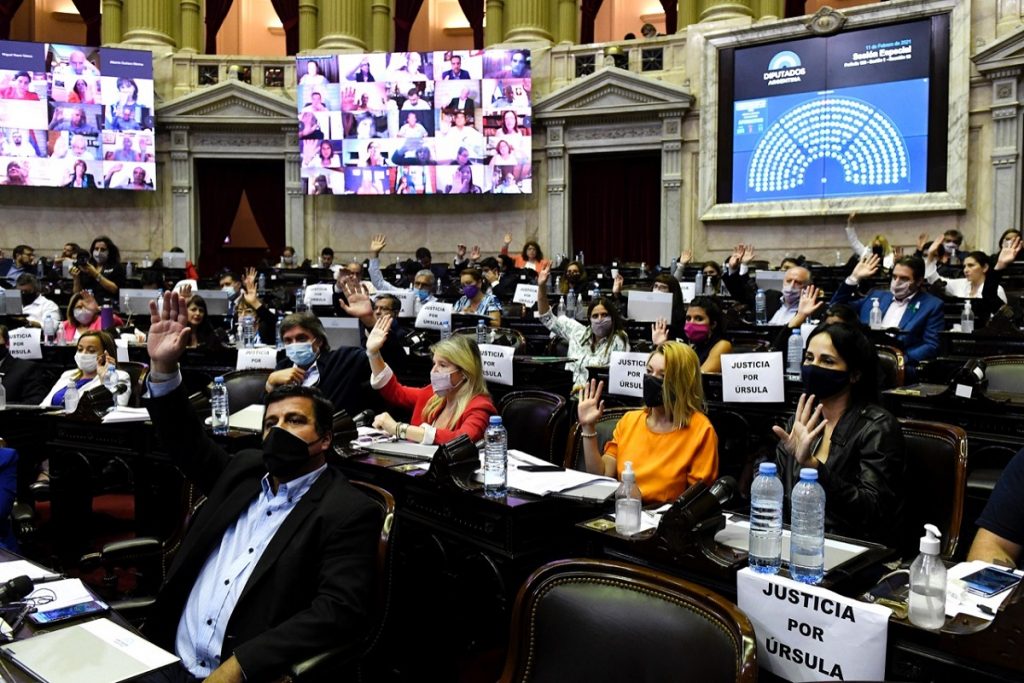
<point x="784" y="67"/>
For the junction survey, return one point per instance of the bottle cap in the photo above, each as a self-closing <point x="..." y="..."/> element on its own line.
<point x="967" y="305"/>
<point x="796" y="332"/>
<point x="930" y="541"/>
<point x="628" y="476"/>
<point x="219" y="378"/>
<point x="808" y="474"/>
<point x="495" y="419"/>
<point x="767" y="468"/>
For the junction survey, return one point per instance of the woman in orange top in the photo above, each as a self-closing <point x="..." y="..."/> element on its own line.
<point x="670" y="442"/>
<point x="532" y="257"/>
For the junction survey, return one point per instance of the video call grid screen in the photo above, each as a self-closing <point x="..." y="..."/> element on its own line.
<point x="449" y="122"/>
<point x="75" y="116"/>
<point x="834" y="116"/>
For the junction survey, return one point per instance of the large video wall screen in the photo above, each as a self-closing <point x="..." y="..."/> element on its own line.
<point x="76" y="117"/>
<point x="859" y="113"/>
<point x="454" y="122"/>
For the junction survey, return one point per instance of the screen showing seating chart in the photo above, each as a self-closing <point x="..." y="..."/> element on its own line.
<point x="835" y="116"/>
<point x="77" y="117"/>
<point x="455" y="122"/>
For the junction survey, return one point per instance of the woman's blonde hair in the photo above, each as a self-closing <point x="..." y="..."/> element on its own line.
<point x="683" y="390"/>
<point x="884" y="241"/>
<point x="462" y="352"/>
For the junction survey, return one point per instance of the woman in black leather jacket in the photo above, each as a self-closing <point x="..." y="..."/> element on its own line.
<point x="839" y="429"/>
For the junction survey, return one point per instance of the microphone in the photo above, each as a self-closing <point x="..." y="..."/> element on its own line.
<point x="364" y="419"/>
<point x="699" y="502"/>
<point x="15" y="589"/>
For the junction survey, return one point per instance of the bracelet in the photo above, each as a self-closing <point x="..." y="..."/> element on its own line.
<point x="400" y="430"/>
<point x="588" y="436"/>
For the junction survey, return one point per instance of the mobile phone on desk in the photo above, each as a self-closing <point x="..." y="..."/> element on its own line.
<point x="990" y="581"/>
<point x="540" y="468"/>
<point x="55" y="616"/>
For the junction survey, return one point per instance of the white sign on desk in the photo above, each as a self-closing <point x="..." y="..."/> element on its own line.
<point x="689" y="290"/>
<point x="25" y="342"/>
<point x="320" y="295"/>
<point x="258" y="358"/>
<point x="408" y="299"/>
<point x="434" y="315"/>
<point x="525" y="295"/>
<point x="497" y="363"/>
<point x="647" y="307"/>
<point x="752" y="378"/>
<point x="807" y="633"/>
<point x="626" y="373"/>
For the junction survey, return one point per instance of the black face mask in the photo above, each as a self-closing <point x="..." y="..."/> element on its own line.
<point x="28" y="297"/>
<point x="573" y="277"/>
<point x="878" y="251"/>
<point x="822" y="382"/>
<point x="284" y="453"/>
<point x="653" y="395"/>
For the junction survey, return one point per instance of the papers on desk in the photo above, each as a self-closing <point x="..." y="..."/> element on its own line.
<point x="9" y="570"/>
<point x="249" y="418"/>
<point x="402" y="449"/>
<point x="959" y="601"/>
<point x="543" y="483"/>
<point x="736" y="534"/>
<point x="97" y="651"/>
<point x="126" y="414"/>
<point x="65" y="593"/>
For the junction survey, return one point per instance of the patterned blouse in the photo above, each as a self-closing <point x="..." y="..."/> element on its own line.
<point x="578" y="335"/>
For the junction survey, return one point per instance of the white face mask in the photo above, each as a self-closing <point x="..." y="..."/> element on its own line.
<point x="230" y="289"/>
<point x="99" y="256"/>
<point x="84" y="316"/>
<point x="441" y="382"/>
<point x="86" y="362"/>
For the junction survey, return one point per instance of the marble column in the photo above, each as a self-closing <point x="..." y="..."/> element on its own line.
<point x="307" y="24"/>
<point x="380" y="26"/>
<point x="557" y="200"/>
<point x="526" y="22"/>
<point x="568" y="21"/>
<point x="1006" y="148"/>
<point x="771" y="9"/>
<point x="148" y="23"/>
<point x="689" y="13"/>
<point x="341" y="26"/>
<point x="714" y="10"/>
<point x="1008" y="16"/>
<point x="110" y="27"/>
<point x="191" y="26"/>
<point x="494" y="29"/>
<point x="671" y="185"/>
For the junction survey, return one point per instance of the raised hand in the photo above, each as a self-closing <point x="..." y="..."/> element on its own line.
<point x="591" y="407"/>
<point x="936" y="248"/>
<point x="359" y="304"/>
<point x="686" y="256"/>
<point x="168" y="333"/>
<point x="808" y="425"/>
<point x="474" y="253"/>
<point x="377" y="244"/>
<point x="617" y="283"/>
<point x="543" y="275"/>
<point x="808" y="302"/>
<point x="866" y="267"/>
<point x="460" y="251"/>
<point x="922" y="241"/>
<point x="185" y="292"/>
<point x="748" y="253"/>
<point x="733" y="262"/>
<point x="508" y="238"/>
<point x="1008" y="254"/>
<point x="250" y="291"/>
<point x="378" y="335"/>
<point x="849" y="219"/>
<point x="659" y="332"/>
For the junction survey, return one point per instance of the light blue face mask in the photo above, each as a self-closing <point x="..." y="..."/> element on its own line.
<point x="301" y="353"/>
<point x="423" y="294"/>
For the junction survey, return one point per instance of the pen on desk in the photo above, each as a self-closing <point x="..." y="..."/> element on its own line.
<point x="20" y="619"/>
<point x="48" y="578"/>
<point x="985" y="609"/>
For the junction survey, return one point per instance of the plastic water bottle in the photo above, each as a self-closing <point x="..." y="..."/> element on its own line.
<point x="794" y="354"/>
<point x="248" y="332"/>
<point x="709" y="287"/>
<point x="58" y="339"/>
<point x="570" y="303"/>
<point x="578" y="307"/>
<point x="446" y="330"/>
<point x="928" y="583"/>
<point x="561" y="308"/>
<point x="129" y="269"/>
<point x="627" y="503"/>
<point x="261" y="284"/>
<point x="967" y="319"/>
<point x="280" y="339"/>
<point x="595" y="293"/>
<point x="807" y="544"/>
<point x="71" y="397"/>
<point x="765" y="554"/>
<point x="875" y="316"/>
<point x="219" y="411"/>
<point x="49" y="329"/>
<point x="495" y="458"/>
<point x="581" y="259"/>
<point x="760" y="308"/>
<point x="300" y="299"/>
<point x="481" y="332"/>
<point x="229" y="319"/>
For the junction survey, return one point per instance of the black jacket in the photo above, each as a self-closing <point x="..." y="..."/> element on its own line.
<point x="311" y="589"/>
<point x="863" y="477"/>
<point x="345" y="379"/>
<point x="23" y="380"/>
<point x="742" y="288"/>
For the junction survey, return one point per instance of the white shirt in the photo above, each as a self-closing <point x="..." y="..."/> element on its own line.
<point x="894" y="314"/>
<point x="37" y="310"/>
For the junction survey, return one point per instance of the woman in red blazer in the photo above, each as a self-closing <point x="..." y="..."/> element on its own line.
<point x="456" y="401"/>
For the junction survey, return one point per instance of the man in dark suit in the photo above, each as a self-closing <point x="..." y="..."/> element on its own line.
<point x="278" y="564"/>
<point x="455" y="73"/>
<point x="917" y="314"/>
<point x="342" y="375"/>
<point x="22" y="380"/>
<point x="462" y="103"/>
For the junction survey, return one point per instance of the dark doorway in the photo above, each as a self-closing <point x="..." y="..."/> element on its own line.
<point x="616" y="206"/>
<point x="241" y="213"/>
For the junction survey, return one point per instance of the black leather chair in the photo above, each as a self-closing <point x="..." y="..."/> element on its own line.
<point x="594" y="620"/>
<point x="605" y="428"/>
<point x="536" y="422"/>
<point x="1005" y="373"/>
<point x="892" y="365"/>
<point x="937" y="465"/>
<point x="360" y="661"/>
<point x="137" y="372"/>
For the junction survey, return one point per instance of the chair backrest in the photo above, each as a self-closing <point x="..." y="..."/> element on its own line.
<point x="892" y="366"/>
<point x="499" y="336"/>
<point x="1005" y="373"/>
<point x="245" y="387"/>
<point x="536" y="422"/>
<point x="937" y="461"/>
<point x="605" y="428"/>
<point x="137" y="372"/>
<point x="579" y="620"/>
